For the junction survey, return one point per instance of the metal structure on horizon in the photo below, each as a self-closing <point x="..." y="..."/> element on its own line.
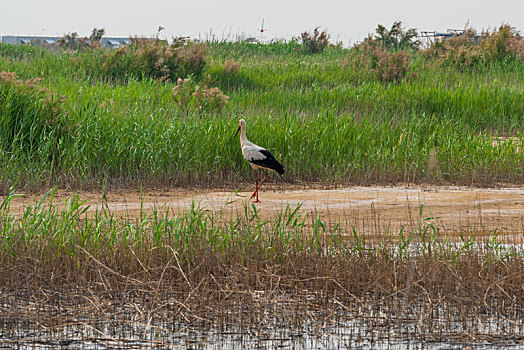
<point x="448" y="34"/>
<point x="108" y="42"/>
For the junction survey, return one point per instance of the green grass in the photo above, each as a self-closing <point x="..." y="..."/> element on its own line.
<point x="64" y="231"/>
<point x="324" y="119"/>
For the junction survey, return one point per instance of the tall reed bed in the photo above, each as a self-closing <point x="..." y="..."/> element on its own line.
<point x="325" y="119"/>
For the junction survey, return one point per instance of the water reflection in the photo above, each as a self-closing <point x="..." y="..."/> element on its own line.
<point x="371" y="326"/>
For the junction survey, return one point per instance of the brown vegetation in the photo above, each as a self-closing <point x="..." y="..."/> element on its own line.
<point x="190" y="97"/>
<point x="156" y="59"/>
<point x="444" y="295"/>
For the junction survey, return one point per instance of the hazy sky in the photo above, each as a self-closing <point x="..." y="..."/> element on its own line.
<point x="346" y="21"/>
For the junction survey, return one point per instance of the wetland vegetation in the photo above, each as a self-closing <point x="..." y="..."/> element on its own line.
<point x="156" y="115"/>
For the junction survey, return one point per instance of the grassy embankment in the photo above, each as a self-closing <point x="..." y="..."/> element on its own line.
<point x="325" y="118"/>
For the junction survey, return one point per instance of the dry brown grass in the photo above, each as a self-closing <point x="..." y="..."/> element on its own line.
<point x="445" y="295"/>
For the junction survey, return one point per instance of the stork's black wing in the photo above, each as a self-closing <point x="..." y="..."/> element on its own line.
<point x="268" y="162"/>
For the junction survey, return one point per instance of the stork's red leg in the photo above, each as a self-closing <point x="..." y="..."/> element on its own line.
<point x="256" y="185"/>
<point x="265" y="178"/>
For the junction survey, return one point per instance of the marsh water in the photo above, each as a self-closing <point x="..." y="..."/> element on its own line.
<point x="285" y="322"/>
<point x="377" y="333"/>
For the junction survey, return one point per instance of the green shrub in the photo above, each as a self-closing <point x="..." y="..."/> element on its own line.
<point x="316" y="42"/>
<point x="397" y="38"/>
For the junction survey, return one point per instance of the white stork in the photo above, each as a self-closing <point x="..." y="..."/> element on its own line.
<point x="258" y="157"/>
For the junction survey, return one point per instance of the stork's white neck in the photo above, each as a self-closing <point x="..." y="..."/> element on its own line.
<point x="243" y="134"/>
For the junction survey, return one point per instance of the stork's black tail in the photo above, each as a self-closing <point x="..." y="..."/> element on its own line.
<point x="269" y="162"/>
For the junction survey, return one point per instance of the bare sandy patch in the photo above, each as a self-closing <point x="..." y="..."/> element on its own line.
<point x="370" y="210"/>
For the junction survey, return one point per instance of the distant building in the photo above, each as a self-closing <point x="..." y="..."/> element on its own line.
<point x="109" y="42"/>
<point x="251" y="40"/>
<point x="114" y="43"/>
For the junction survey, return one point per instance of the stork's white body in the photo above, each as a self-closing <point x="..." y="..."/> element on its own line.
<point x="251" y="152"/>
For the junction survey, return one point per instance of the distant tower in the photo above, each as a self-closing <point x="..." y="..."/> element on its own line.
<point x="262" y="31"/>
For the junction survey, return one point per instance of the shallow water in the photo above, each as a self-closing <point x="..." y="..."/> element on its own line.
<point x="363" y="328"/>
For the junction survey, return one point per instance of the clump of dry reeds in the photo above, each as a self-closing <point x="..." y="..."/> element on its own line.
<point x="154" y="58"/>
<point x="387" y="54"/>
<point x="471" y="48"/>
<point x="72" y="41"/>
<point x="192" y="98"/>
<point x="231" y="67"/>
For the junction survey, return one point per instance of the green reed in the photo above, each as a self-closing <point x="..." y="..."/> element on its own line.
<point x="51" y="232"/>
